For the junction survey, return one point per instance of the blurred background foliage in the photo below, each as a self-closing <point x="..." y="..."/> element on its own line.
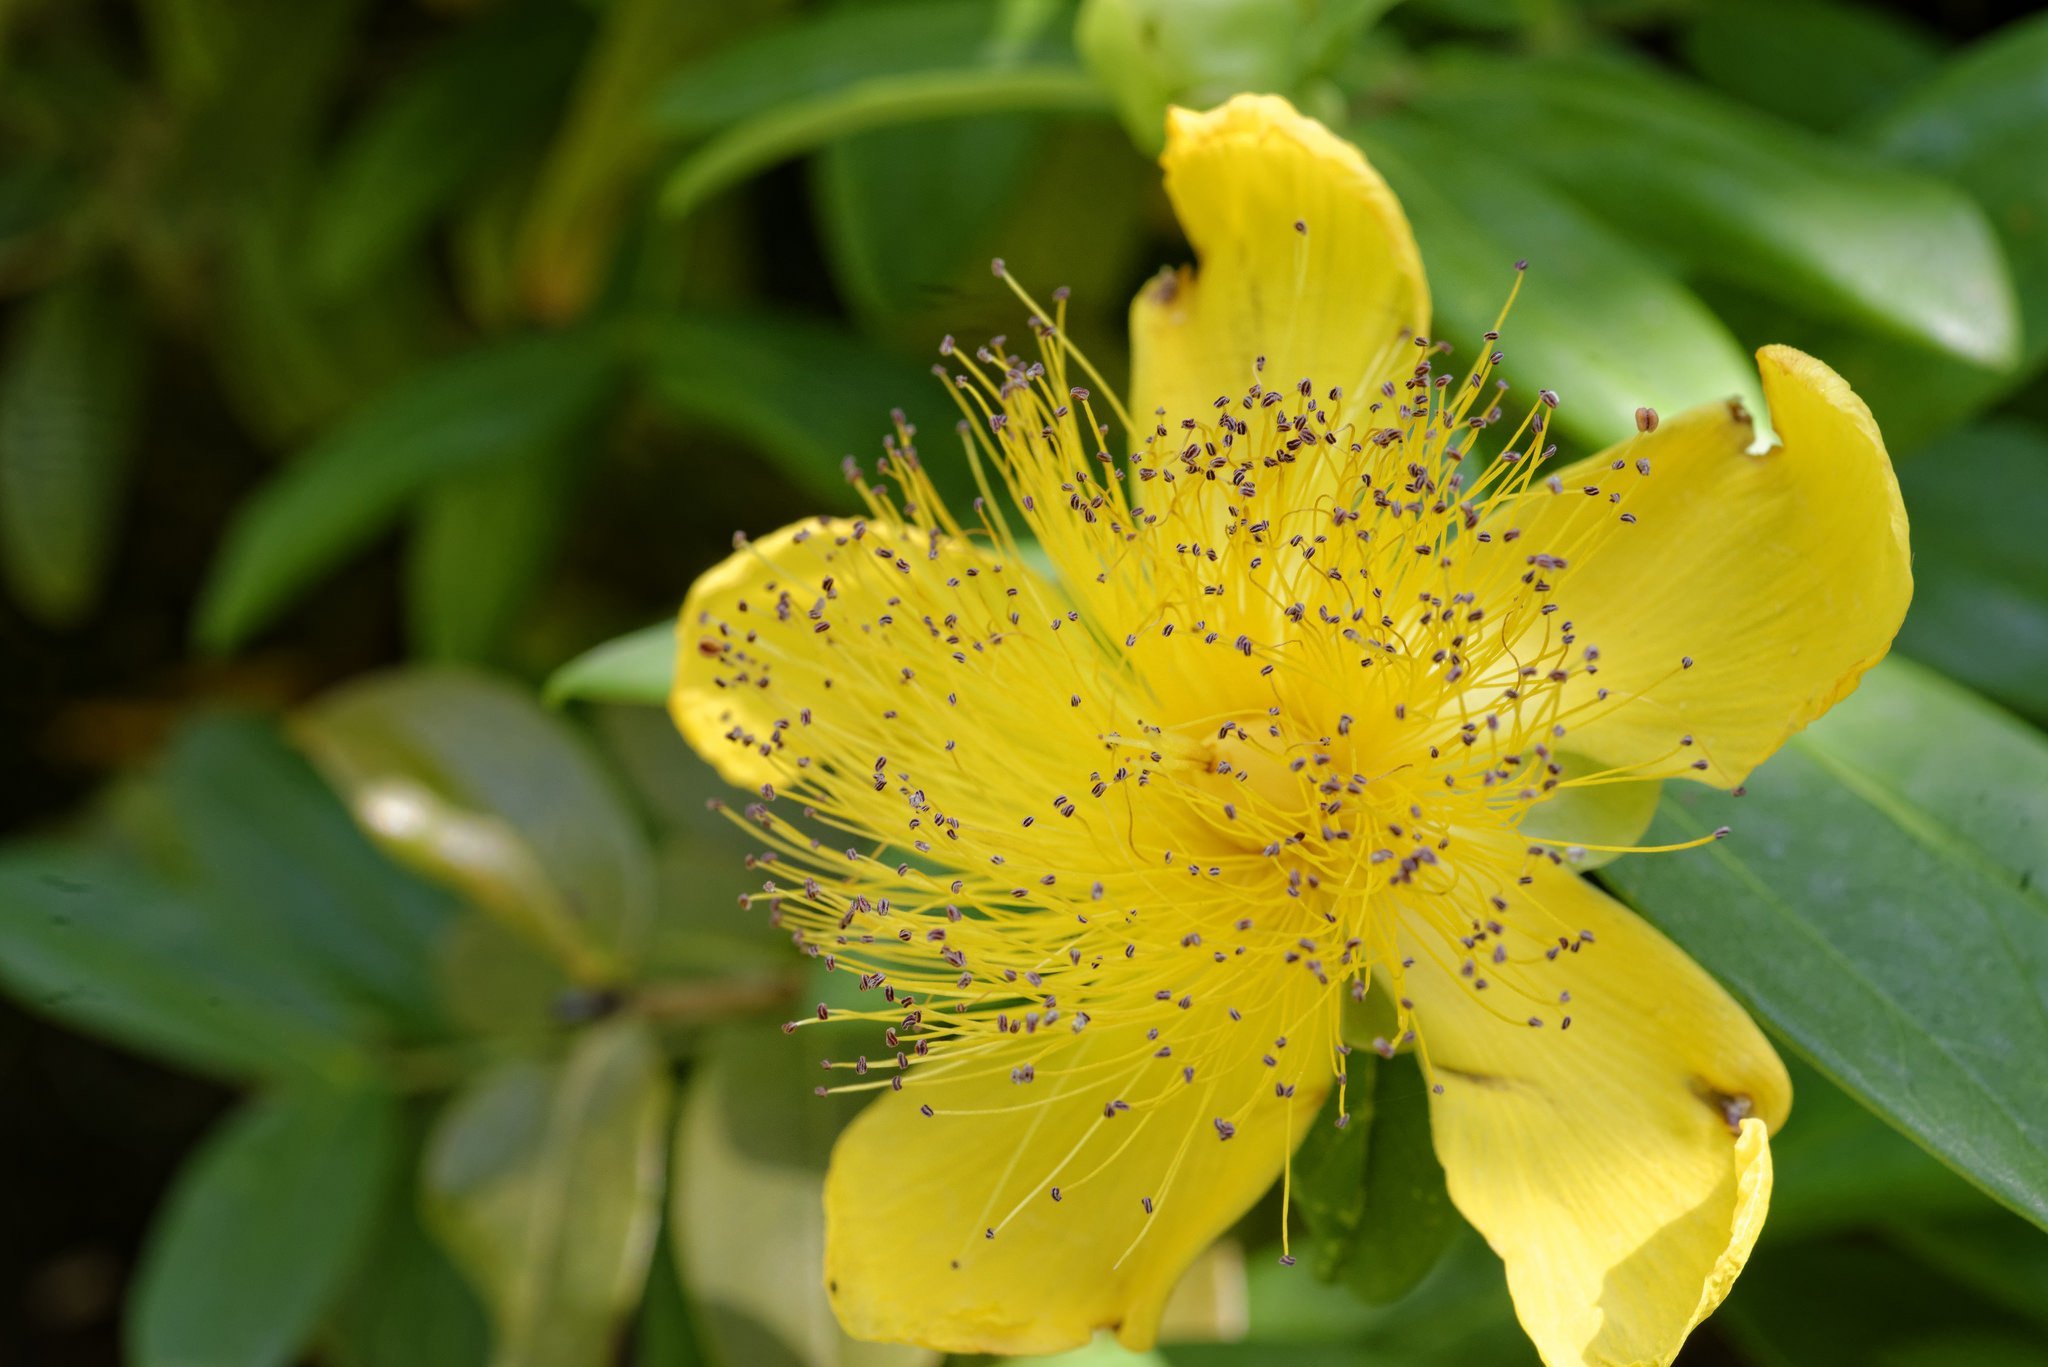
<point x="375" y="371"/>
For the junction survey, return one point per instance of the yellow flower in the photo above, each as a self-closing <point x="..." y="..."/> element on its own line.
<point x="1110" y="845"/>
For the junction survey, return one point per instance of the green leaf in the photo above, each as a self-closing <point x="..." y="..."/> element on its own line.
<point x="1871" y="55"/>
<point x="1863" y="1303"/>
<point x="238" y="820"/>
<point x="462" y="111"/>
<point x="666" y="1335"/>
<point x="801" y="126"/>
<point x="590" y="175"/>
<point x="802" y="60"/>
<point x="407" y="1306"/>
<point x="545" y="1184"/>
<point x="806" y="394"/>
<point x="750" y="1151"/>
<point x="261" y="1230"/>
<point x="2001" y="1257"/>
<point x="481" y="545"/>
<point x="1836" y="1168"/>
<point x="638" y="668"/>
<point x="905" y="209"/>
<point x="489" y="791"/>
<point x="1734" y="194"/>
<point x="88" y="939"/>
<point x="1460" y="1315"/>
<point x="1982" y="122"/>
<point x="1980" y="565"/>
<point x="487" y="405"/>
<point x="1373" y="1193"/>
<point x="68" y="398"/>
<point x="1595" y="321"/>
<point x="1881" y="904"/>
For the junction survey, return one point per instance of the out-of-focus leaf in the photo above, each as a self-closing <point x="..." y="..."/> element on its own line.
<point x="1820" y="63"/>
<point x="792" y="129"/>
<point x="1152" y="54"/>
<point x="490" y="404"/>
<point x="262" y="1229"/>
<point x="507" y="795"/>
<point x="799" y="60"/>
<point x="1863" y="1303"/>
<point x="406" y="1306"/>
<point x="1836" y="1168"/>
<point x="806" y="394"/>
<point x="1980" y="564"/>
<point x="567" y="238"/>
<point x="2001" y="1257"/>
<point x="1881" y="904"/>
<point x="545" y="1184"/>
<point x="1373" y="1193"/>
<point x="1595" y="321"/>
<point x="635" y="668"/>
<point x="67" y="422"/>
<point x="1460" y="1315"/>
<point x="1728" y="192"/>
<point x="190" y="44"/>
<point x="481" y="545"/>
<point x="750" y="1150"/>
<point x="90" y="940"/>
<point x="1979" y="123"/>
<point x="666" y="1335"/>
<point x="905" y="208"/>
<point x="261" y="90"/>
<point x="465" y="109"/>
<point x="239" y="821"/>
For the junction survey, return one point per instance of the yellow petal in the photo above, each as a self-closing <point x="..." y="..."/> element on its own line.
<point x="1328" y="300"/>
<point x="1751" y="591"/>
<point x="1619" y="1165"/>
<point x="909" y="1197"/>
<point x="756" y="650"/>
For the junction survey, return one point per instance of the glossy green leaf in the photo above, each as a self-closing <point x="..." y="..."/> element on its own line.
<point x="1729" y="192"/>
<point x="807" y="395"/>
<point x="91" y="940"/>
<point x="449" y="766"/>
<point x="481" y="545"/>
<point x="461" y="112"/>
<point x="1881" y="903"/>
<point x="750" y="1151"/>
<point x="68" y="394"/>
<point x="1980" y="564"/>
<point x="261" y="1229"/>
<point x="1372" y="1192"/>
<point x="1596" y="321"/>
<point x="545" y="1185"/>
<point x="799" y="59"/>
<point x="1763" y="52"/>
<point x="487" y="405"/>
<point x="406" y="1306"/>
<point x="635" y="668"/>
<point x="240" y="822"/>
